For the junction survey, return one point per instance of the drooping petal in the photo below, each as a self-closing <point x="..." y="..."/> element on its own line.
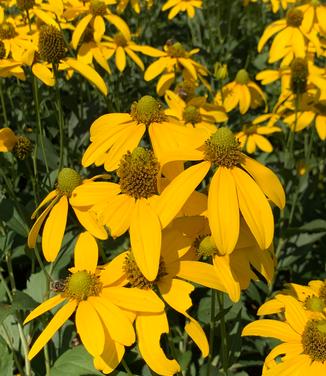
<point x="86" y="252"/>
<point x="49" y="197"/>
<point x="145" y="238"/>
<point x="44" y="307"/>
<point x="120" y="59"/>
<point x="113" y="271"/>
<point x="99" y="28"/>
<point x="111" y="357"/>
<point x="223" y="210"/>
<point x="91" y="193"/>
<point x="149" y="329"/>
<point x="295" y="314"/>
<point x="197" y="334"/>
<point x="270" y="307"/>
<point x="156" y="68"/>
<point x="90" y="328"/>
<point x="120" y="24"/>
<point x="57" y="321"/>
<point x="80" y="28"/>
<point x="43" y="73"/>
<point x="89" y="221"/>
<point x="164" y="82"/>
<point x="135" y="57"/>
<point x="54" y="229"/>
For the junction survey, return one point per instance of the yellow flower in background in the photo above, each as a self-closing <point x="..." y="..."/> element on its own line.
<point x="135" y="4"/>
<point x="56" y="213"/>
<point x="276" y="4"/>
<point x="243" y="92"/>
<point x="303" y="347"/>
<point x="8" y="140"/>
<point x="121" y="46"/>
<point x="239" y="185"/>
<point x="20" y="146"/>
<point x="113" y="135"/>
<point x="196" y="112"/>
<point x="314" y="14"/>
<point x="174" y="59"/>
<point x="135" y="203"/>
<point x="252" y="135"/>
<point x="178" y="6"/>
<point x="102" y="323"/>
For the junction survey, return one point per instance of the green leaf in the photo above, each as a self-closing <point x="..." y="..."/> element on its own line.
<point x="5" y="311"/>
<point x="23" y="301"/>
<point x="37" y="286"/>
<point x="77" y="362"/>
<point x="6" y="359"/>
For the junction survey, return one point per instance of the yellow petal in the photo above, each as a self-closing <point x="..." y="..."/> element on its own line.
<point x="120" y="24"/>
<point x="271" y="307"/>
<point x="44" y="307"/>
<point x="57" y="321"/>
<point x="90" y="328"/>
<point x="54" y="229"/>
<point x="147" y="50"/>
<point x="178" y="191"/>
<point x="269" y="32"/>
<point x="8" y="139"/>
<point x="43" y="73"/>
<point x="223" y="210"/>
<point x="135" y="58"/>
<point x="267" y="181"/>
<point x="86" y="252"/>
<point x="99" y="28"/>
<point x="149" y="330"/>
<point x="113" y="271"/>
<point x="80" y="28"/>
<point x="188" y="65"/>
<point x="254" y="208"/>
<point x="295" y="314"/>
<point x="145" y="238"/>
<point x="120" y="59"/>
<point x="156" y="68"/>
<point x="89" y="221"/>
<point x="197" y="334"/>
<point x="164" y="83"/>
<point x="89" y="73"/>
<point x="245" y="98"/>
<point x="134" y="299"/>
<point x="263" y="143"/>
<point x="91" y="193"/>
<point x="111" y="357"/>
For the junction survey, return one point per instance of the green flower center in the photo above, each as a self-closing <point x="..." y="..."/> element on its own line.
<point x="147" y="110"/>
<point x="51" y="44"/>
<point x="176" y="50"/>
<point x="315" y="3"/>
<point x="322" y="292"/>
<point x="2" y="50"/>
<point x="299" y="75"/>
<point x="223" y="149"/>
<point x="68" y="180"/>
<point x="314" y="340"/>
<point x="120" y="40"/>
<point x="98" y="8"/>
<point x="135" y="276"/>
<point x="191" y="115"/>
<point x="138" y="173"/>
<point x="81" y="285"/>
<point x="294" y="17"/>
<point x="242" y="77"/>
<point x="23" y="147"/>
<point x="7" y="31"/>
<point x="206" y="247"/>
<point x="25" y="4"/>
<point x="315" y="304"/>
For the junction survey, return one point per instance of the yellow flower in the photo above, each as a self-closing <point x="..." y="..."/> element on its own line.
<point x="314" y="14"/>
<point x="239" y="184"/>
<point x="243" y="92"/>
<point x="171" y="286"/>
<point x="303" y="347"/>
<point x="135" y="4"/>
<point x="195" y="112"/>
<point x="102" y="323"/>
<point x="56" y="213"/>
<point x="112" y="135"/>
<point x="252" y="135"/>
<point x="178" y="6"/>
<point x="291" y="37"/>
<point x="173" y="59"/>
<point x="276" y="4"/>
<point x="134" y="204"/>
<point x="20" y="146"/>
<point x="121" y="45"/>
<point x="8" y="140"/>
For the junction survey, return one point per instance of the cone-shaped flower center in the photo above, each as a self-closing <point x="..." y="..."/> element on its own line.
<point x="322" y="292"/>
<point x="191" y="115"/>
<point x="315" y="3"/>
<point x="223" y="149"/>
<point x="294" y="17"/>
<point x="7" y="31"/>
<point x="315" y="304"/>
<point x="314" y="340"/>
<point x="98" y="8"/>
<point x="147" y="110"/>
<point x="2" y="50"/>
<point x="51" y="44"/>
<point x="242" y="77"/>
<point x="176" y="50"/>
<point x="138" y="173"/>
<point x="206" y="247"/>
<point x="25" y="4"/>
<point x="299" y="75"/>
<point x="23" y="147"/>
<point x="120" y="40"/>
<point x="68" y="180"/>
<point x="135" y="276"/>
<point x="82" y="285"/>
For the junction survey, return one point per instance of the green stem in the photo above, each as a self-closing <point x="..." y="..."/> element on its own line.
<point x="211" y="332"/>
<point x="3" y="105"/>
<point x="47" y="360"/>
<point x="12" y="348"/>
<point x="60" y="114"/>
<point x="224" y="337"/>
<point x="172" y="349"/>
<point x="25" y="348"/>
<point x="125" y="366"/>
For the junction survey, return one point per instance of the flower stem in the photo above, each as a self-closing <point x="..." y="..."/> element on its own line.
<point x="3" y="105"/>
<point x="125" y="366"/>
<point x="224" y="338"/>
<point x="211" y="332"/>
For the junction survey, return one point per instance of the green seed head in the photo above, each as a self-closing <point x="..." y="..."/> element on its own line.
<point x="315" y="304"/>
<point x="23" y="147"/>
<point x="294" y="17"/>
<point x="242" y="77"/>
<point x="51" y="44"/>
<point x="7" y="31"/>
<point x="68" y="180"/>
<point x="147" y="110"/>
<point x="97" y="8"/>
<point x="314" y="340"/>
<point x="191" y="115"/>
<point x="81" y="285"/>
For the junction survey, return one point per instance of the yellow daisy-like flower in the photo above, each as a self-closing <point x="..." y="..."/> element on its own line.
<point x="120" y="46"/>
<point x="314" y="13"/>
<point x="102" y="323"/>
<point x="174" y="291"/>
<point x="178" y="6"/>
<point x="113" y="135"/>
<point x="174" y="59"/>
<point x="239" y="185"/>
<point x="291" y="37"/>
<point x="243" y="92"/>
<point x="135" y="4"/>
<point x="196" y="112"/>
<point x="20" y="146"/>
<point x="134" y="204"/>
<point x="303" y="347"/>
<point x="252" y="135"/>
<point x="56" y="213"/>
<point x="8" y="140"/>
